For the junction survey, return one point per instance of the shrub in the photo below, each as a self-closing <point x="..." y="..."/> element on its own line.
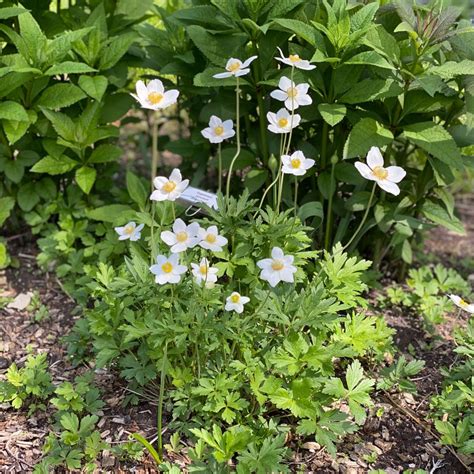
<point x="393" y="76"/>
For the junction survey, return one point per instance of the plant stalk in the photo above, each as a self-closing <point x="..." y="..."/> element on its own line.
<point x="237" y="153"/>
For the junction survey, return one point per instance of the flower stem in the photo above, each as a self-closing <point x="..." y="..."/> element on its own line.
<point x="296" y="195"/>
<point x="237" y="153"/>
<point x="160" y="402"/>
<point x="219" y="176"/>
<point x="152" y="232"/>
<point x="362" y="222"/>
<point x="155" y="157"/>
<point x="327" y="236"/>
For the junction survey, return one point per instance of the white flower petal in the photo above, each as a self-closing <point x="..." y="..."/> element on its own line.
<point x="155" y="86"/>
<point x="222" y="75"/>
<point x="285" y="83"/>
<point x="388" y="186"/>
<point x="374" y="157"/>
<point x="279" y="95"/>
<point x="247" y="62"/>
<point x="395" y="173"/>
<point x="364" y="170"/>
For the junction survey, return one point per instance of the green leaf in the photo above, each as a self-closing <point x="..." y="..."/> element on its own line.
<point x="112" y="213"/>
<point x="69" y="67"/>
<point x="451" y="69"/>
<point x="435" y="140"/>
<point x="27" y="197"/>
<point x="85" y="177"/>
<point x="93" y="86"/>
<point x="60" y="95"/>
<point x="438" y="214"/>
<point x="6" y="205"/>
<point x="105" y="153"/>
<point x="301" y="29"/>
<point x="10" y="110"/>
<point x="365" y="134"/>
<point x="54" y="166"/>
<point x="332" y="113"/>
<point x="10" y="12"/>
<point x="255" y="179"/>
<point x="63" y="125"/>
<point x="136" y="189"/>
<point x="116" y="49"/>
<point x="70" y="422"/>
<point x="370" y="58"/>
<point x="368" y="90"/>
<point x="217" y="48"/>
<point x="310" y="209"/>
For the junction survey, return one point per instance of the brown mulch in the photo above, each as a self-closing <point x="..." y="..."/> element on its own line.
<point x="395" y="437"/>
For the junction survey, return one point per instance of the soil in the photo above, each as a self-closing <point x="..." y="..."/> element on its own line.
<point x="396" y="436"/>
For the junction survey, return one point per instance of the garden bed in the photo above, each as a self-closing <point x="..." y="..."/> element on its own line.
<point x="395" y="436"/>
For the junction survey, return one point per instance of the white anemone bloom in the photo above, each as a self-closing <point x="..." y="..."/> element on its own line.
<point x="211" y="240"/>
<point x="296" y="163"/>
<point x="387" y="178"/>
<point x="153" y="96"/>
<point x="235" y="302"/>
<point x="459" y="302"/>
<point x="203" y="273"/>
<point x="235" y="67"/>
<point x="218" y="130"/>
<point x="130" y="231"/>
<point x="292" y="94"/>
<point x="294" y="60"/>
<point x="282" y="122"/>
<point x="169" y="189"/>
<point x="278" y="268"/>
<point x="183" y="236"/>
<point x="167" y="269"/>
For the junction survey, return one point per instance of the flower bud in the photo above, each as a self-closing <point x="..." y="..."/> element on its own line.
<point x="273" y="164"/>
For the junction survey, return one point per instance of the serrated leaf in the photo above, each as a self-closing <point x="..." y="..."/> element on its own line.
<point x="116" y="49"/>
<point x="93" y="86"/>
<point x="60" y="95"/>
<point x="112" y="213"/>
<point x="438" y="214"/>
<point x="332" y="113"/>
<point x="370" y="58"/>
<point x="54" y="166"/>
<point x="85" y="178"/>
<point x="437" y="141"/>
<point x="136" y="189"/>
<point x="6" y="205"/>
<point x="10" y="110"/>
<point x="105" y="153"/>
<point x="365" y="134"/>
<point x="69" y="67"/>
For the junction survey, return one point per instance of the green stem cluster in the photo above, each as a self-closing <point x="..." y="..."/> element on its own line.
<point x="237" y="153"/>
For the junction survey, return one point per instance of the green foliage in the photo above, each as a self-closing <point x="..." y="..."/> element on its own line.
<point x="399" y="373"/>
<point x="428" y="288"/>
<point x="452" y="409"/>
<point x="29" y="385"/>
<point x="230" y="378"/>
<point x="396" y="78"/>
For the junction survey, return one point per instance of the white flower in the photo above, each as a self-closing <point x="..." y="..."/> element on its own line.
<point x="203" y="273"/>
<point x="211" y="240"/>
<point x="293" y="95"/>
<point x="458" y="301"/>
<point x="130" y="231"/>
<point x="281" y="122"/>
<point x="153" y="95"/>
<point x="296" y="164"/>
<point x="218" y="131"/>
<point x="183" y="236"/>
<point x="167" y="269"/>
<point x="235" y="302"/>
<point x="278" y="268"/>
<point x="386" y="178"/>
<point x="295" y="61"/>
<point x="235" y="67"/>
<point x="169" y="189"/>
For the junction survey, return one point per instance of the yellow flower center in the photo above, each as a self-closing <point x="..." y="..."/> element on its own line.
<point x="295" y="163"/>
<point x="277" y="265"/>
<point x="294" y="58"/>
<point x="182" y="236"/>
<point x="380" y="172"/>
<point x="169" y="186"/>
<point x="233" y="67"/>
<point x="129" y="229"/>
<point x="219" y="130"/>
<point x="463" y="303"/>
<point x="167" y="267"/>
<point x="155" y="97"/>
<point x="292" y="92"/>
<point x="203" y="269"/>
<point x="235" y="297"/>
<point x="210" y="238"/>
<point x="283" y="122"/>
